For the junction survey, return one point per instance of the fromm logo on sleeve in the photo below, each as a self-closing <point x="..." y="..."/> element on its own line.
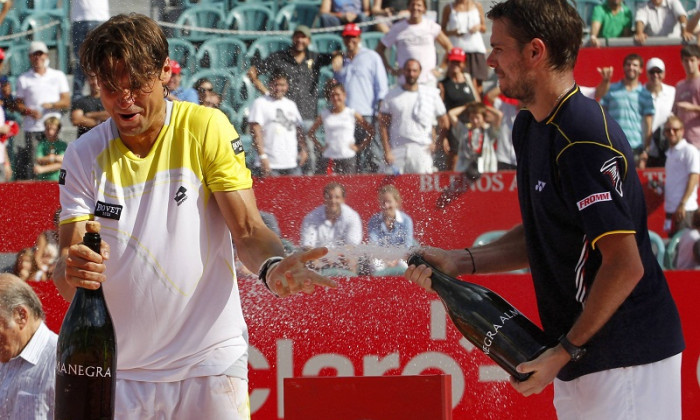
<point x="592" y="199"/>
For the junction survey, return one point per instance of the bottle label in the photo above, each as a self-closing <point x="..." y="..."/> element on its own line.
<point x="80" y="370"/>
<point x="491" y="335"/>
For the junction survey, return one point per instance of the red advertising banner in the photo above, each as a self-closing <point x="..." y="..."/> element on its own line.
<point x="388" y="326"/>
<point x="375" y="326"/>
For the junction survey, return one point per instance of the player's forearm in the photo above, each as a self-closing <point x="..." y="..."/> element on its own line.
<point x="619" y="273"/>
<point x="507" y="253"/>
<point x="260" y="245"/>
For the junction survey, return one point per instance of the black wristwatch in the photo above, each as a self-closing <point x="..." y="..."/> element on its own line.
<point x="575" y="352"/>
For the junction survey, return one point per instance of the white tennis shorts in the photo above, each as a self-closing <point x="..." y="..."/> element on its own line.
<point x="651" y="391"/>
<point x="208" y="397"/>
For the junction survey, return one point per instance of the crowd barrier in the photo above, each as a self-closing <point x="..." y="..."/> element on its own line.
<point x="375" y="326"/>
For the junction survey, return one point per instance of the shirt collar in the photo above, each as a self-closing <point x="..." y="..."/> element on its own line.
<point x="32" y="351"/>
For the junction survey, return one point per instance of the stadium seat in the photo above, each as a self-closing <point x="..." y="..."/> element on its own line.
<point x="249" y="17"/>
<point x="185" y="53"/>
<point x="672" y="250"/>
<point x="198" y="17"/>
<point x="17" y="56"/>
<point x="26" y="7"/>
<point x="585" y="10"/>
<point x="222" y="53"/>
<point x="9" y="26"/>
<point x="370" y="39"/>
<point x="296" y="13"/>
<point x="241" y="94"/>
<point x="263" y="47"/>
<point x="658" y="246"/>
<point x="221" y="80"/>
<point x="52" y="36"/>
<point x="221" y="4"/>
<point x="229" y="112"/>
<point x="326" y="43"/>
<point x="488" y="237"/>
<point x="324" y="76"/>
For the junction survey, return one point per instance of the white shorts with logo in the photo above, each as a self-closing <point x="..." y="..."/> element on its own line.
<point x="651" y="391"/>
<point x="207" y="397"/>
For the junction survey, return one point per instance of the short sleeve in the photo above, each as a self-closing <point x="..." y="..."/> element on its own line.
<point x="641" y="15"/>
<point x="646" y="102"/>
<point x="255" y="112"/>
<point x="390" y="38"/>
<point x="77" y="187"/>
<point x="598" y="14"/>
<point x="592" y="181"/>
<point x="224" y="158"/>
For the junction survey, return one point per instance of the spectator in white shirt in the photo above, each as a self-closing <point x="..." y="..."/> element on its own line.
<point x="663" y="96"/>
<point x="661" y="18"/>
<point x="406" y="120"/>
<point x="682" y="173"/>
<point x="27" y="354"/>
<point x="332" y="224"/>
<point x="278" y="138"/>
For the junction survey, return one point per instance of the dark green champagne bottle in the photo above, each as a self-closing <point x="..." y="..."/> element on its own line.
<point x="488" y="321"/>
<point x="86" y="355"/>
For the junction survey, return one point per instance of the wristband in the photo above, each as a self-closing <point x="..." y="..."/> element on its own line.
<point x="472" y="257"/>
<point x="265" y="267"/>
<point x="263" y="156"/>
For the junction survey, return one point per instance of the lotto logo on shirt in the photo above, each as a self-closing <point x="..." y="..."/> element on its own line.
<point x="592" y="199"/>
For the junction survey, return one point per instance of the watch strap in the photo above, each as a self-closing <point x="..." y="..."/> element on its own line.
<point x="574" y="351"/>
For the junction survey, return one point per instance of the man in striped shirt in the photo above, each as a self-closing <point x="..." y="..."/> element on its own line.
<point x="27" y="353"/>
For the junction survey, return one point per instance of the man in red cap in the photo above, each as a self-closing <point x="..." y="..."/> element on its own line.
<point x="362" y="73"/>
<point x="177" y="92"/>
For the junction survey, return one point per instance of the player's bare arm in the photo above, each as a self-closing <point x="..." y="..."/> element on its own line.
<point x="255" y="243"/>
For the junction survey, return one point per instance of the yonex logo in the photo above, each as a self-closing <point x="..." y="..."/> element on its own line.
<point x="540" y="186"/>
<point x="180" y="195"/>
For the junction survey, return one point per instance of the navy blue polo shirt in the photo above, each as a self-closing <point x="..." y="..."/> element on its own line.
<point x="577" y="183"/>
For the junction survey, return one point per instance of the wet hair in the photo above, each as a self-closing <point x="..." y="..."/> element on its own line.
<point x="555" y="22"/>
<point x="691" y="50"/>
<point x="391" y="189"/>
<point x="15" y="293"/>
<point x="132" y="45"/>
<point x="331" y="186"/>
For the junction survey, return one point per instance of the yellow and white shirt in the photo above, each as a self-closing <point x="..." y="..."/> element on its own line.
<point x="171" y="287"/>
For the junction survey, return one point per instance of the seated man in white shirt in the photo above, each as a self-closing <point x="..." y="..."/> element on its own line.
<point x="27" y="354"/>
<point x="333" y="224"/>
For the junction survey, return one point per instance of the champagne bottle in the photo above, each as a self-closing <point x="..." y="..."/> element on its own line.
<point x="86" y="362"/>
<point x="488" y="321"/>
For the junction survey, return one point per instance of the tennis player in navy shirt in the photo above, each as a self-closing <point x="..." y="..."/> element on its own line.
<point x="600" y="291"/>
